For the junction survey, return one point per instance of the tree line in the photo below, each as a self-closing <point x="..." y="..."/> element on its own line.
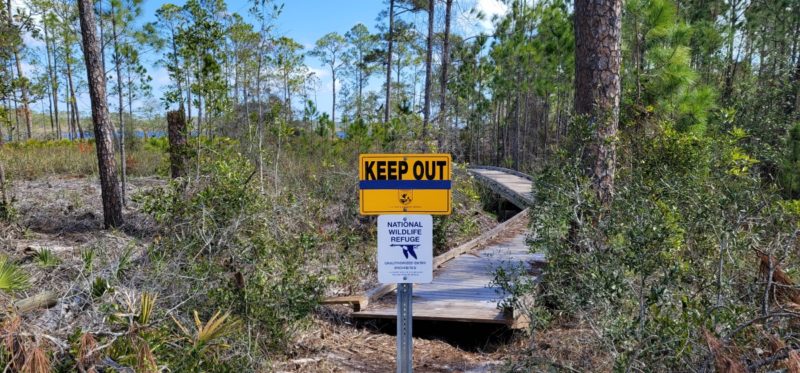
<point x="509" y="97"/>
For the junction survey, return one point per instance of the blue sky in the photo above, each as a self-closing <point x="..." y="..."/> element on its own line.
<point x="305" y="21"/>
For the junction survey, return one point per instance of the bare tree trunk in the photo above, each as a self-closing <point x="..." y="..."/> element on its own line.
<point x="388" y="103"/>
<point x="118" y="68"/>
<point x="8" y="118"/>
<point x="426" y="111"/>
<point x="597" y="86"/>
<point x="54" y="84"/>
<point x="112" y="203"/>
<point x="189" y="97"/>
<point x="51" y="97"/>
<point x="260" y="129"/>
<point x="333" y="105"/>
<point x="13" y="99"/>
<point x="4" y="203"/>
<point x="70" y="123"/>
<point x="76" y="119"/>
<point x="443" y="126"/>
<point x="176" y="130"/>
<point x="24" y="86"/>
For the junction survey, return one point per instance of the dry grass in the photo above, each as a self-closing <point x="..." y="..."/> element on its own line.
<point x="565" y="346"/>
<point x="725" y="357"/>
<point x="70" y="158"/>
<point x="332" y="344"/>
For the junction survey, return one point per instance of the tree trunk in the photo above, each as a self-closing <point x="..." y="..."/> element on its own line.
<point x="5" y="205"/>
<point x="54" y="84"/>
<point x="730" y="72"/>
<point x="51" y="96"/>
<point x="70" y="123"/>
<point x="597" y="86"/>
<point x="388" y="107"/>
<point x="13" y="99"/>
<point x="112" y="203"/>
<point x="360" y="86"/>
<point x="443" y="83"/>
<point x="76" y="119"/>
<point x="426" y="112"/>
<point x="24" y="85"/>
<point x="118" y="68"/>
<point x="333" y="105"/>
<point x="176" y="130"/>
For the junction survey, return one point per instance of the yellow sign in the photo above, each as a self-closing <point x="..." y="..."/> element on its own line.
<point x="404" y="183"/>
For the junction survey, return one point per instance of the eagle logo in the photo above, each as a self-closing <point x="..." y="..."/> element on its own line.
<point x="405" y="196"/>
<point x="408" y="250"/>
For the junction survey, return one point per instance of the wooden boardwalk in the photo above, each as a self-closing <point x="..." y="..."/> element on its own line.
<point x="514" y="186"/>
<point x="462" y="287"/>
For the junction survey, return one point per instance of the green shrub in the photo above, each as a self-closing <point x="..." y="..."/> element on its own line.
<point x="672" y="256"/>
<point x="230" y="231"/>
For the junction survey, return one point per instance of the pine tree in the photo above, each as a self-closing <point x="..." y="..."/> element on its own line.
<point x="112" y="201"/>
<point x="330" y="50"/>
<point x="598" y="55"/>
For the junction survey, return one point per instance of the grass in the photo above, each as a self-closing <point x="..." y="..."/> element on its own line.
<point x="46" y="258"/>
<point x="35" y="159"/>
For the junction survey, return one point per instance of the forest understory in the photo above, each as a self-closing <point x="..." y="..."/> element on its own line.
<point x="62" y="217"/>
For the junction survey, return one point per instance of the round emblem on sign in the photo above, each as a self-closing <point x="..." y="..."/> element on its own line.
<point x="405" y="196"/>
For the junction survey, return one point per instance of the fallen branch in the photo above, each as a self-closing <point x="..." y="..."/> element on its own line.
<point x="783" y="354"/>
<point x="45" y="299"/>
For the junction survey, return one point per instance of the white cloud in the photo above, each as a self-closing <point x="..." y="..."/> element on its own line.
<point x="27" y="38"/>
<point x="477" y="16"/>
<point x="319" y="73"/>
<point x="490" y="9"/>
<point x="160" y="77"/>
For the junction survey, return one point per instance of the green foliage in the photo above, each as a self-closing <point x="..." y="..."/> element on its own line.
<point x="654" y="268"/>
<point x="261" y="275"/>
<point x="46" y="258"/>
<point x="99" y="287"/>
<point x="88" y="257"/>
<point x="124" y="262"/>
<point x="12" y="278"/>
<point x="660" y="83"/>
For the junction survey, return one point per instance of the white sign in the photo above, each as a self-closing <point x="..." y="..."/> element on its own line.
<point x="405" y="249"/>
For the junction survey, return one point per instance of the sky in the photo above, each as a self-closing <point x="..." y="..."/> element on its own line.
<point x="305" y="21"/>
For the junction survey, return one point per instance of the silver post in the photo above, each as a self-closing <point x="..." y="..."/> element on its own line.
<point x="404" y="318"/>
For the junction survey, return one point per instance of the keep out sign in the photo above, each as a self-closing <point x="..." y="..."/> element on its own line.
<point x="404" y="183"/>
<point x="405" y="249"/>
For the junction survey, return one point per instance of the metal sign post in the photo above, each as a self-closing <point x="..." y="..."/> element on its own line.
<point x="404" y="340"/>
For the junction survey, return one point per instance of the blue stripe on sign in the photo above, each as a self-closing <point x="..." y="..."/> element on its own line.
<point x="404" y="184"/>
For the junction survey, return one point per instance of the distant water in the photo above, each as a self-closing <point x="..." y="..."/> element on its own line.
<point x="90" y="135"/>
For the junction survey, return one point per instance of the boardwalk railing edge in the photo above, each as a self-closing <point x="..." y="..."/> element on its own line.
<point x="521" y="201"/>
<point x="503" y="169"/>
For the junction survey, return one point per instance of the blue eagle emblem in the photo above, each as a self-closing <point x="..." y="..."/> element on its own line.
<point x="408" y="250"/>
